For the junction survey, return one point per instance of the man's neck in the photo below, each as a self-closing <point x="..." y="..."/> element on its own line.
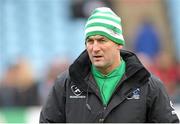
<point x="108" y="69"/>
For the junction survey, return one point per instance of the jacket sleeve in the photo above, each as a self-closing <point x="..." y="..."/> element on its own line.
<point x="54" y="109"/>
<point x="160" y="107"/>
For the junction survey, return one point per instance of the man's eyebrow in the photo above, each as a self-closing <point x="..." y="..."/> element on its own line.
<point x="89" y="38"/>
<point x="101" y="38"/>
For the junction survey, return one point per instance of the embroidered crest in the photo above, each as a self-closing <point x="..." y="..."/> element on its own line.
<point x="135" y="94"/>
<point x="77" y="92"/>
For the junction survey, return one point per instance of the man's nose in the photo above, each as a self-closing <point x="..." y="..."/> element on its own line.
<point x="96" y="46"/>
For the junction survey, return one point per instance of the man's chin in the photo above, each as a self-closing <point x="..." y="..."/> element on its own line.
<point x="98" y="65"/>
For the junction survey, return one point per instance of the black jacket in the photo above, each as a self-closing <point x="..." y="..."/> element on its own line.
<point x="139" y="97"/>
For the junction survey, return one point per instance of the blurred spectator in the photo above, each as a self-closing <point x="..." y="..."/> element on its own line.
<point x="179" y="73"/>
<point x="147" y="40"/>
<point x="176" y="95"/>
<point x="166" y="69"/>
<point x="7" y="88"/>
<point x="57" y="66"/>
<point x="18" y="86"/>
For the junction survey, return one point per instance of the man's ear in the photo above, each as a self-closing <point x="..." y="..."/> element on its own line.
<point x="120" y="47"/>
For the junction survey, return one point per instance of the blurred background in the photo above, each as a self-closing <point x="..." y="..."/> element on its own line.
<point x="40" y="38"/>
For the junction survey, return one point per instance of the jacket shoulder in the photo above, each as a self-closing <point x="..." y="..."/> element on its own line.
<point x="54" y="109"/>
<point x="159" y="104"/>
<point x="155" y="82"/>
<point x="156" y="86"/>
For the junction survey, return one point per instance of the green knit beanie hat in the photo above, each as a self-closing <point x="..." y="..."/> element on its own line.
<point x="105" y="22"/>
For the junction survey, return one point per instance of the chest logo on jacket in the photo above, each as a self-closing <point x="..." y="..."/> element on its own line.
<point x="135" y="94"/>
<point x="77" y="92"/>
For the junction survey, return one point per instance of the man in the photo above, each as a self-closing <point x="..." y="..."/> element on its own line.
<point x="106" y="83"/>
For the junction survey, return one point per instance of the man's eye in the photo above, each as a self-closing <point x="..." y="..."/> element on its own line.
<point x="89" y="41"/>
<point x="103" y="40"/>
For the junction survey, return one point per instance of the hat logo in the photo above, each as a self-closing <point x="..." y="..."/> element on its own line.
<point x="113" y="32"/>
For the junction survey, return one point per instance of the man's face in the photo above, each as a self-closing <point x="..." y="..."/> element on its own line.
<point x="103" y="52"/>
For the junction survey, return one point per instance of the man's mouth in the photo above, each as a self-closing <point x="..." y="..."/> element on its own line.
<point x="97" y="56"/>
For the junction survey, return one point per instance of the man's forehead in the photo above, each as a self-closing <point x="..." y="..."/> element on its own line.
<point x="96" y="37"/>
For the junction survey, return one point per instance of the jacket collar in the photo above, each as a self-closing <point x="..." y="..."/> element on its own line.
<point x="80" y="69"/>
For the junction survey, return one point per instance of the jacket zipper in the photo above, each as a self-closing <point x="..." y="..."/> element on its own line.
<point x="118" y="85"/>
<point x="101" y="119"/>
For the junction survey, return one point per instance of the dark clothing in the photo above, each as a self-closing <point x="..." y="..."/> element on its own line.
<point x="139" y="97"/>
<point x="16" y="97"/>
